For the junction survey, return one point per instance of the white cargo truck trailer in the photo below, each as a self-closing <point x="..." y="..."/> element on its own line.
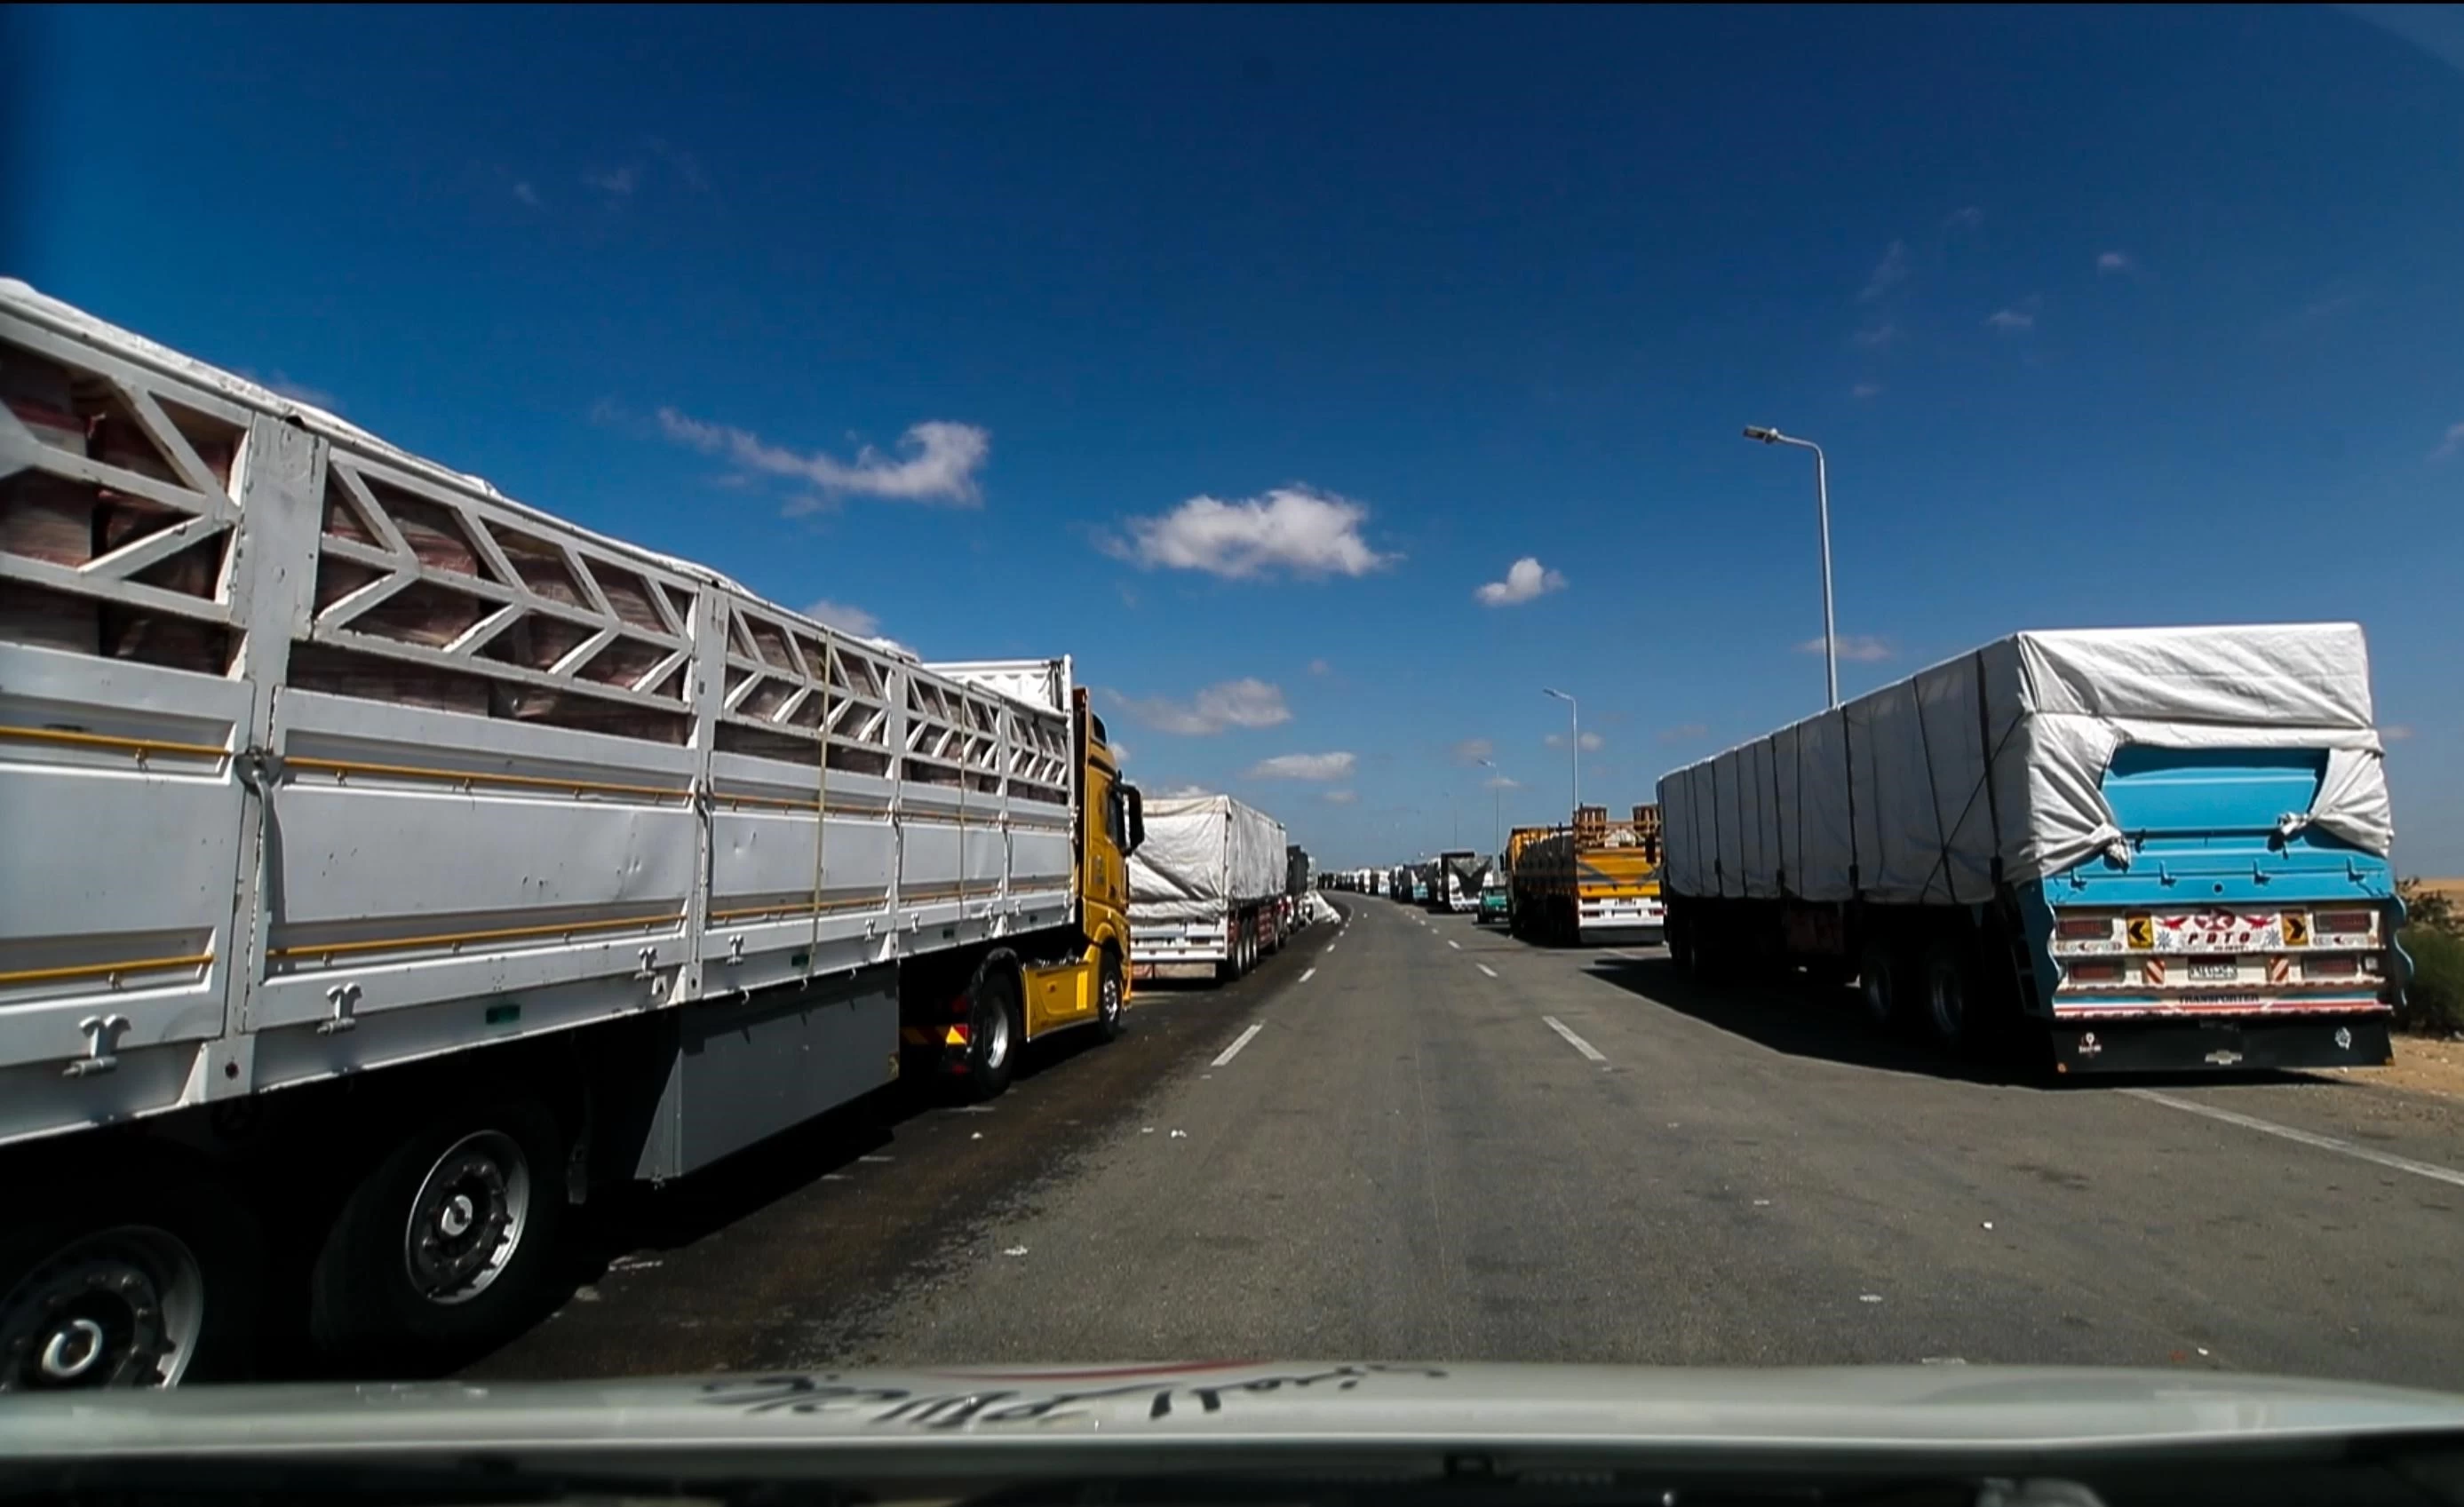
<point x="1208" y="889"/>
<point x="387" y="863"/>
<point x="2124" y="848"/>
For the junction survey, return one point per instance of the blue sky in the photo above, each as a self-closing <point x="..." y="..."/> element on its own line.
<point x="1233" y="352"/>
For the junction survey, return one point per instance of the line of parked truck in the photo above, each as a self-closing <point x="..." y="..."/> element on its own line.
<point x="390" y="865"/>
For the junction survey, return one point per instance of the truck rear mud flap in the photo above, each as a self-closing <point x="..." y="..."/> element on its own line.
<point x="2191" y="1046"/>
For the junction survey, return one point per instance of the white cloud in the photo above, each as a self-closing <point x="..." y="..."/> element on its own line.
<point x="526" y="194"/>
<point x="941" y="467"/>
<point x="1865" y="389"/>
<point x="1877" y="336"/>
<point x="2453" y="443"/>
<point x="296" y="391"/>
<point x="1862" y="648"/>
<point x="1339" y="798"/>
<point x="1319" y="666"/>
<point x="1120" y="752"/>
<point x="1503" y="782"/>
<point x="1592" y="742"/>
<point x="1245" y="703"/>
<point x="1523" y="580"/>
<point x="1888" y="273"/>
<point x="1471" y="751"/>
<point x="1966" y="219"/>
<point x="2395" y="731"/>
<point x="1684" y="732"/>
<point x="683" y="164"/>
<point x="839" y="615"/>
<point x="1296" y="528"/>
<point x="2018" y="318"/>
<point x="617" y="184"/>
<point x="1183" y="791"/>
<point x="1302" y="766"/>
<point x="2110" y="262"/>
<point x="2317" y="312"/>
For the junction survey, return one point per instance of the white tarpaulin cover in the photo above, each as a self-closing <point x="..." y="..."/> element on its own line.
<point x="1909" y="795"/>
<point x="1201" y="851"/>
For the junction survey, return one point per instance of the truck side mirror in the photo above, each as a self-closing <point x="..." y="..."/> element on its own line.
<point x="1137" y="823"/>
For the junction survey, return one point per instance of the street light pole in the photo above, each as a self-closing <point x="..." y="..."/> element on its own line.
<point x="1766" y="435"/>
<point x="1574" y="736"/>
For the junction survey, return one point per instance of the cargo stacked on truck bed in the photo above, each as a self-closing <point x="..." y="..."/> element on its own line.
<point x="1208" y="889"/>
<point x="1595" y="882"/>
<point x="2154" y="848"/>
<point x="389" y="862"/>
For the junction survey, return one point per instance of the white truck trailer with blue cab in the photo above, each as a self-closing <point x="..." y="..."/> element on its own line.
<point x="2160" y="848"/>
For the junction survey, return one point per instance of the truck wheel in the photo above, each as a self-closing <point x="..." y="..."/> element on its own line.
<point x="1878" y="985"/>
<point x="157" y="1289"/>
<point x="996" y="1026"/>
<point x="1112" y="998"/>
<point x="1951" y="1007"/>
<point x="1702" y="962"/>
<point x="444" y="1246"/>
<point x="1681" y="948"/>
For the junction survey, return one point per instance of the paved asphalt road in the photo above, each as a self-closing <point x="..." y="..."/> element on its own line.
<point x="1437" y="1143"/>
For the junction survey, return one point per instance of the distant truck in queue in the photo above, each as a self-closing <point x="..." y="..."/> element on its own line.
<point x="1210" y="889"/>
<point x="2159" y="848"/>
<point x="1597" y="880"/>
<point x="1453" y="881"/>
<point x="389" y="864"/>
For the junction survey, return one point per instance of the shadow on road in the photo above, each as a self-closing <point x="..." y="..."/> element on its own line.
<point x="629" y="1223"/>
<point x="1830" y="1024"/>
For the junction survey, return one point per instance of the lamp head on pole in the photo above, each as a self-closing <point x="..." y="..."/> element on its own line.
<point x="1764" y="433"/>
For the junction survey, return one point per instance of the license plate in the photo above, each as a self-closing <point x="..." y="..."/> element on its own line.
<point x="2223" y="972"/>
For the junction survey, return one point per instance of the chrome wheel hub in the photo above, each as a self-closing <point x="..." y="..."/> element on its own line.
<point x="468" y="1220"/>
<point x="121" y="1308"/>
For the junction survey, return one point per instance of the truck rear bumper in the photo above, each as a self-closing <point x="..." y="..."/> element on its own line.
<point x="1198" y="967"/>
<point x="2221" y="1046"/>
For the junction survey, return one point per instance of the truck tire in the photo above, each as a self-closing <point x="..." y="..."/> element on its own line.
<point x="1704" y="963"/>
<point x="1880" y="984"/>
<point x="1112" y="998"/>
<point x="158" y="1287"/>
<point x="444" y="1247"/>
<point x="1953" y="1013"/>
<point x="996" y="1029"/>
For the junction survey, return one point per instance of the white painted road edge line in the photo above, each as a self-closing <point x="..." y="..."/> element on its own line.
<point x="1238" y="1042"/>
<point x="2325" y="1143"/>
<point x="1485" y="968"/>
<point x="1576" y="1042"/>
<point x="1307" y="974"/>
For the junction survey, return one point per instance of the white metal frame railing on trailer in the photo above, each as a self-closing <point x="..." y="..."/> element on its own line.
<point x="459" y="753"/>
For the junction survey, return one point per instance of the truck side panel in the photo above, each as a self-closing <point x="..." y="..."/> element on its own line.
<point x="318" y="757"/>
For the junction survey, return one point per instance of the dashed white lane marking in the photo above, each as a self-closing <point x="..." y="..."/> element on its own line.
<point x="1308" y="974"/>
<point x="1452" y="942"/>
<point x="1485" y="968"/>
<point x="2309" y="1138"/>
<point x="1238" y="1042"/>
<point x="1587" y="1050"/>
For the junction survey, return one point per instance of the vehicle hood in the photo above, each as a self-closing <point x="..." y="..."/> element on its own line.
<point x="1964" y="1408"/>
